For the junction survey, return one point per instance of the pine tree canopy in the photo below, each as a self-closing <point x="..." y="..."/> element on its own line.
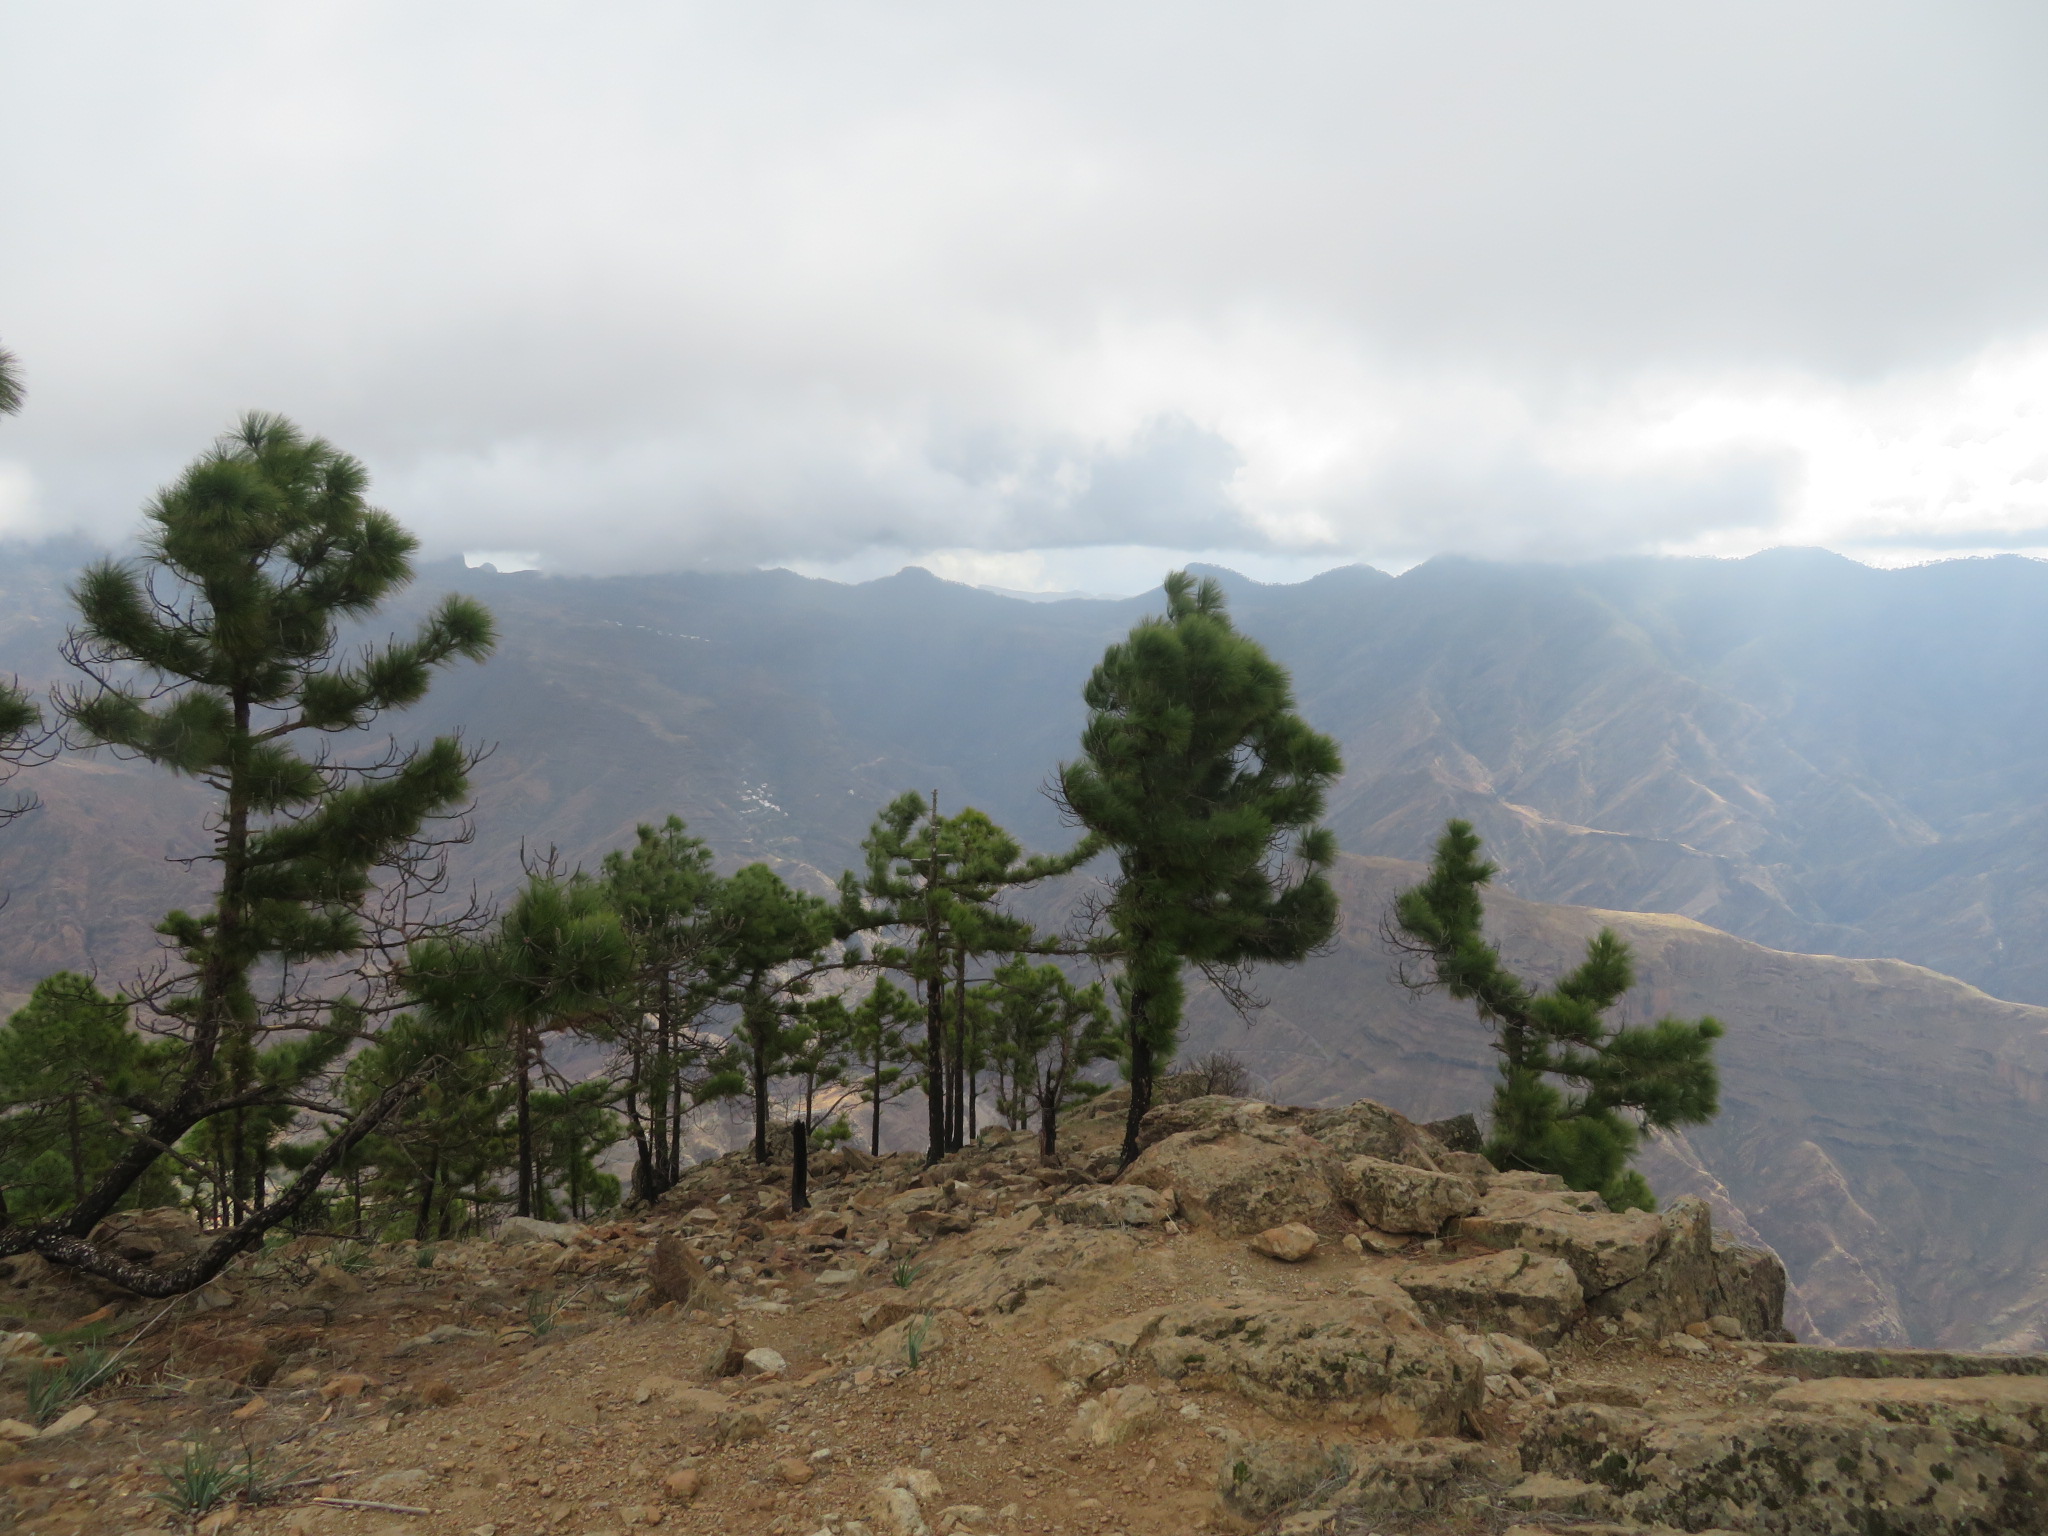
<point x="1196" y="769"/>
<point x="225" y="645"/>
<point x="218" y="655"/>
<point x="18" y="715"/>
<point x="1619" y="1078"/>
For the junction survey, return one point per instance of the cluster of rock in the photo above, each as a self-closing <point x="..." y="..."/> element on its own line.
<point x="1901" y="1444"/>
<point x="1553" y="1255"/>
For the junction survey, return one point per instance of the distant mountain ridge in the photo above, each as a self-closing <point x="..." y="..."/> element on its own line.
<point x="1807" y="753"/>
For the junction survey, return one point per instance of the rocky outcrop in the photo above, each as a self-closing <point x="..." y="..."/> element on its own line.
<point x="1531" y="1296"/>
<point x="1813" y="1362"/>
<point x="1369" y="1359"/>
<point x="1012" y="1264"/>
<point x="1242" y="1173"/>
<point x="1843" y="1457"/>
<point x="1604" y="1248"/>
<point x="1395" y="1197"/>
<point x="1119" y="1205"/>
<point x="1366" y="1129"/>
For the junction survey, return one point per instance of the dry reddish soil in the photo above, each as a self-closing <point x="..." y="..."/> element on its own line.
<point x="569" y="1402"/>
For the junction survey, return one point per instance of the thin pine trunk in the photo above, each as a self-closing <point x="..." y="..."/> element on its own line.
<point x="525" y="1088"/>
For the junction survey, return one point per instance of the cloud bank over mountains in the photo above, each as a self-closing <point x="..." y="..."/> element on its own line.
<point x="1037" y="295"/>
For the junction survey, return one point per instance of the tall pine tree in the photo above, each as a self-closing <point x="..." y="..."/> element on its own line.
<point x="933" y="884"/>
<point x="556" y="960"/>
<point x="1619" y="1078"/>
<point x="665" y="893"/>
<point x="217" y="656"/>
<point x="769" y="935"/>
<point x="1197" y="771"/>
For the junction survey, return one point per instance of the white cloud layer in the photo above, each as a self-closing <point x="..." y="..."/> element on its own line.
<point x="1040" y="295"/>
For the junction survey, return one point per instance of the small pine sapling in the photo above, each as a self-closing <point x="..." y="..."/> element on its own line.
<point x="1045" y="1031"/>
<point x="1617" y="1079"/>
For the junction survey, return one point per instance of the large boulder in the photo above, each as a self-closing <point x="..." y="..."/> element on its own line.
<point x="1366" y="1129"/>
<point x="1239" y="1174"/>
<point x="1749" y="1286"/>
<point x="1406" y="1478"/>
<point x="1604" y="1248"/>
<point x="1679" y="1285"/>
<point x="1531" y="1296"/>
<point x="1397" y="1197"/>
<point x="1261" y="1478"/>
<point x="1367" y="1357"/>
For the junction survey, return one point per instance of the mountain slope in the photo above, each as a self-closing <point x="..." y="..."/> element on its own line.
<point x="1805" y="752"/>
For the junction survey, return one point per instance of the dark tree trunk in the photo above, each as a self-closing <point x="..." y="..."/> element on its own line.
<point x="799" y="1167"/>
<point x="875" y="1104"/>
<point x="1142" y="1068"/>
<point x="423" y="1224"/>
<point x="760" y="1066"/>
<point x="1048" y="1121"/>
<point x="935" y="1067"/>
<point x="524" y="1089"/>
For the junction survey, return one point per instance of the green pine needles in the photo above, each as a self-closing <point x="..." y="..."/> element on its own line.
<point x="1197" y="771"/>
<point x="218" y="656"/>
<point x="1617" y="1079"/>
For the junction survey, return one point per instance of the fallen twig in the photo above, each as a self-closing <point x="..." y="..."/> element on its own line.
<point x="307" y="1482"/>
<point x="389" y="1509"/>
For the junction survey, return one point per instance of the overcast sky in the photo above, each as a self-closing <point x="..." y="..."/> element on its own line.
<point x="1046" y="296"/>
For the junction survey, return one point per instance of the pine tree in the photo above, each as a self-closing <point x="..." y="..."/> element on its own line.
<point x="556" y="960"/>
<point x="934" y="881"/>
<point x="431" y="1169"/>
<point x="572" y="1129"/>
<point x="882" y="1050"/>
<point x="11" y="394"/>
<point x="215" y="656"/>
<point x="1197" y="771"/>
<point x="69" y="1062"/>
<point x="1621" y="1078"/>
<point x="768" y="937"/>
<point x="665" y="893"/>
<point x="1044" y="1031"/>
<point x="819" y="1054"/>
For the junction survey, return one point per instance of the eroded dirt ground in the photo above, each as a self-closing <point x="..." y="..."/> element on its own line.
<point x="504" y="1390"/>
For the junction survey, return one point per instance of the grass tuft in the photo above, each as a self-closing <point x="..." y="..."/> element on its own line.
<point x="51" y="1392"/>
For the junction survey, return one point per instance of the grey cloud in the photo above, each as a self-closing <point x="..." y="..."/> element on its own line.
<point x="653" y="283"/>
